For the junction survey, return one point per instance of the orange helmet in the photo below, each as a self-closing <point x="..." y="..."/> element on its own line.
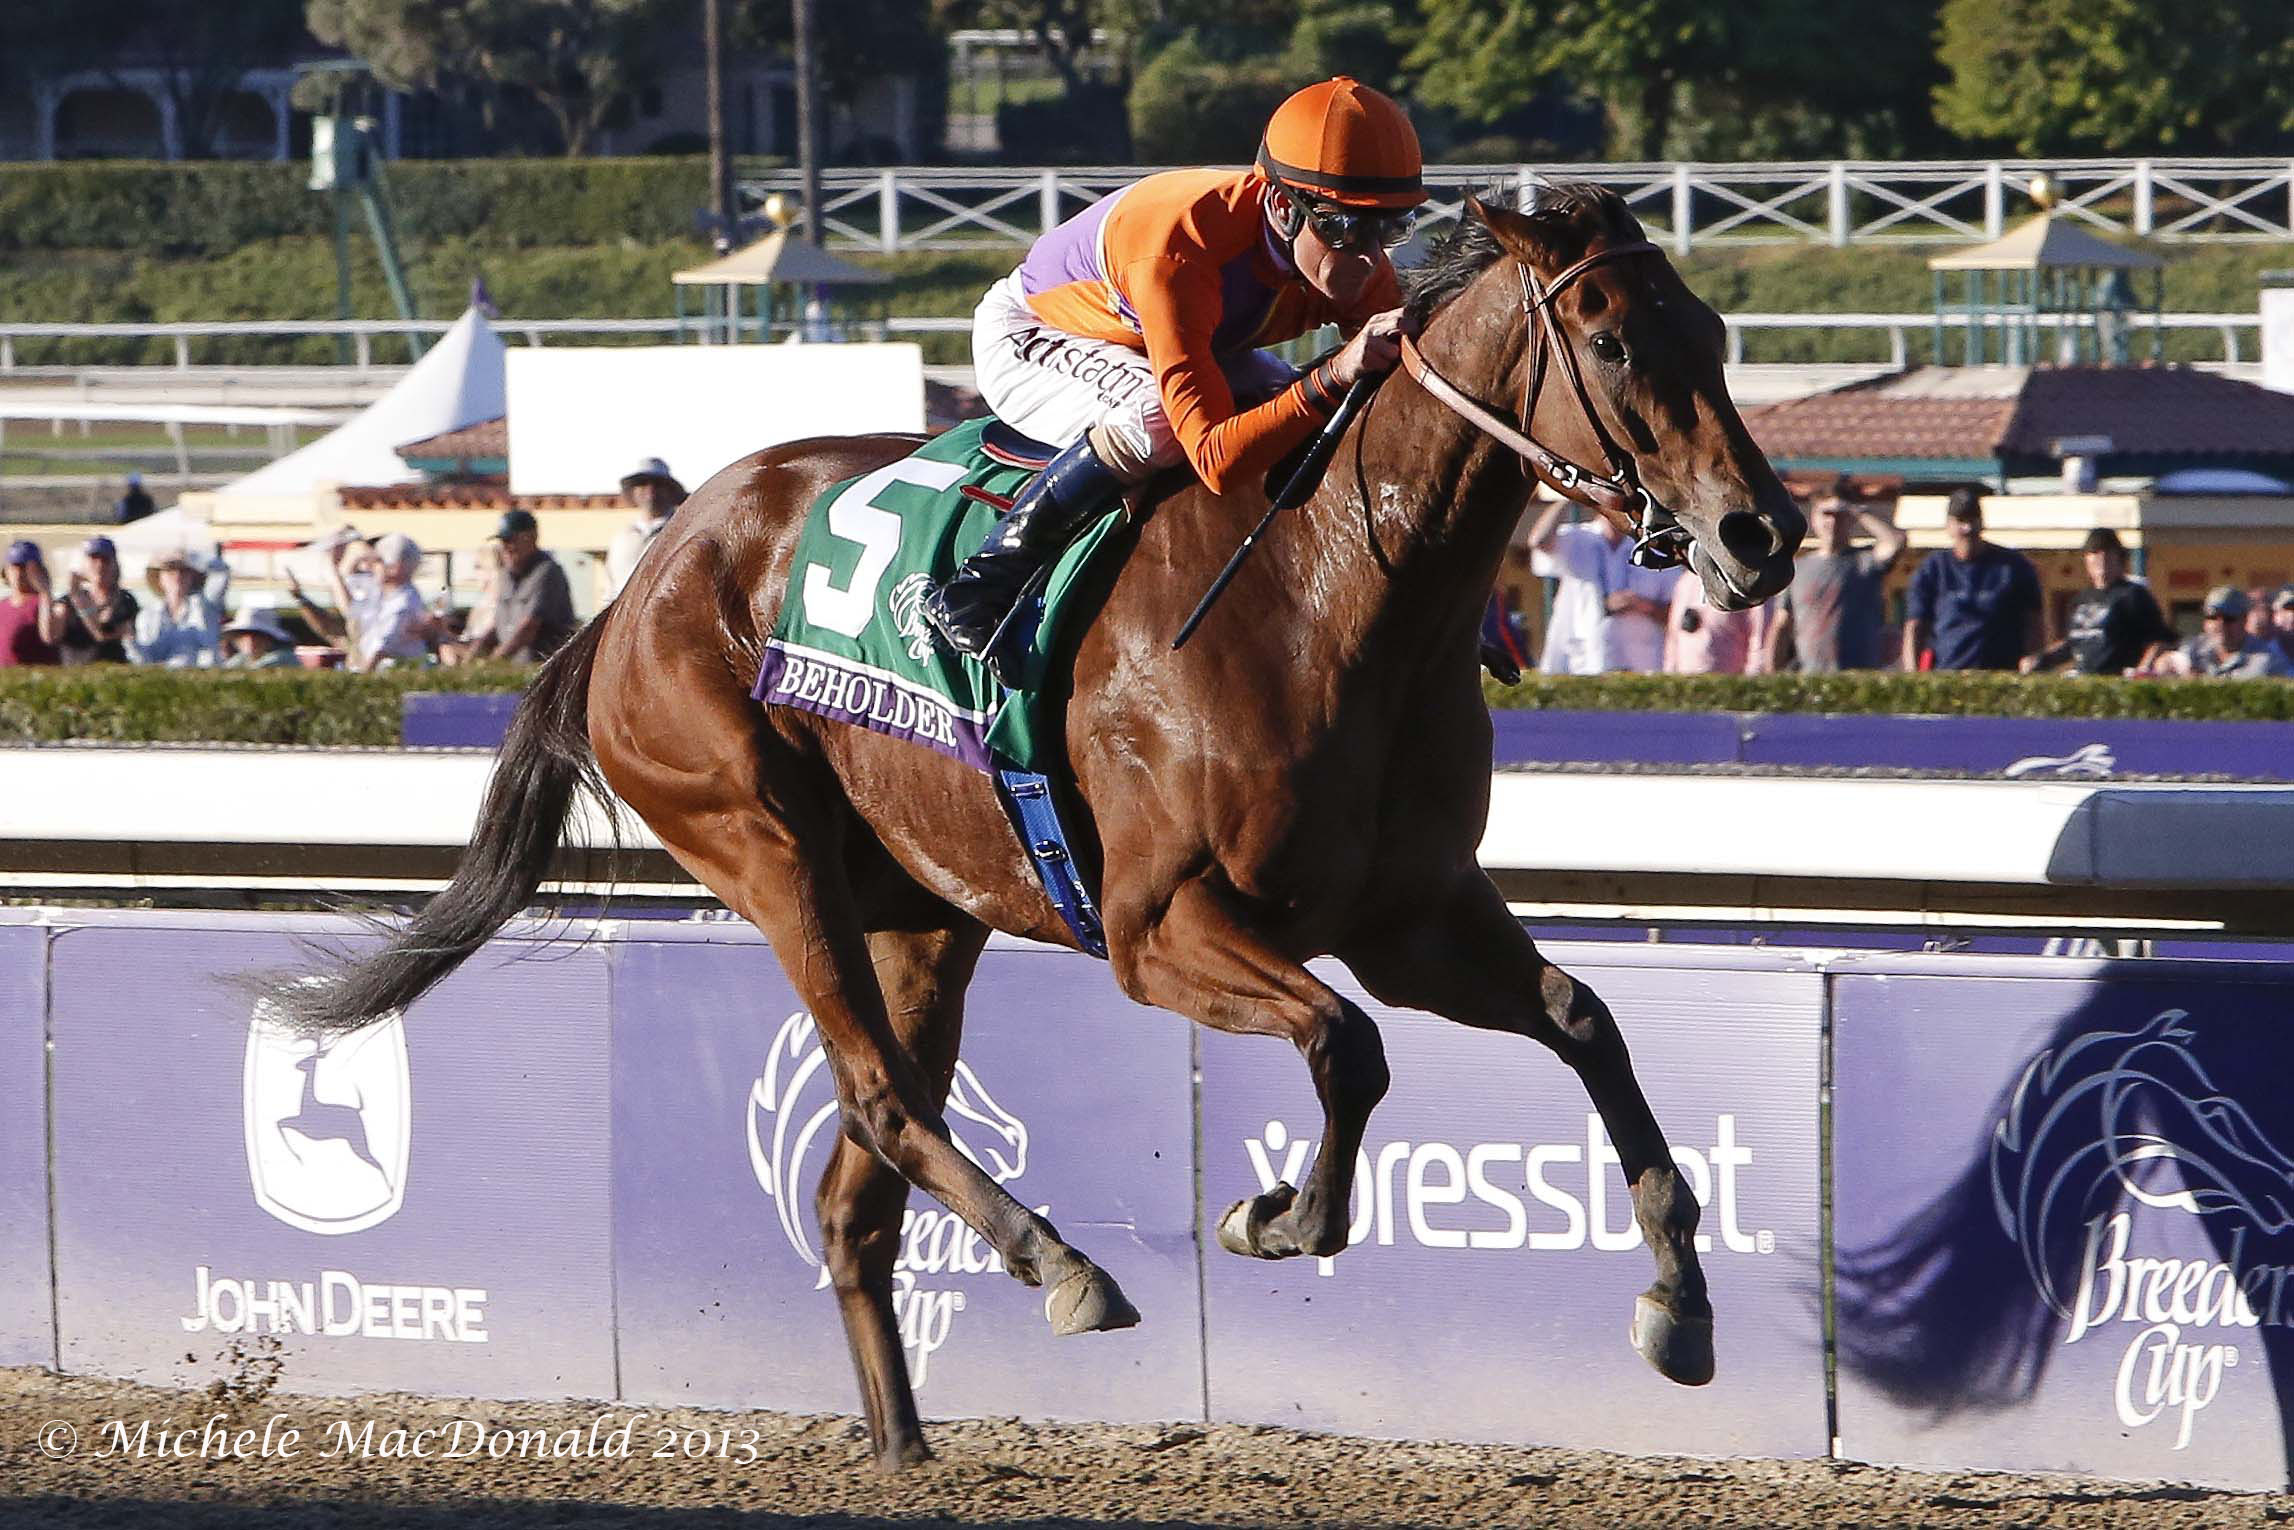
<point x="1340" y="141"/>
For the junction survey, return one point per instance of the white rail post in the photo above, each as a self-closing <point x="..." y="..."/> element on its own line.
<point x="1683" y="209"/>
<point x="363" y="347"/>
<point x="1047" y="200"/>
<point x="1994" y="199"/>
<point x="1896" y="357"/>
<point x="888" y="211"/>
<point x="2142" y="198"/>
<point x="7" y="352"/>
<point x="1838" y="200"/>
<point x="183" y="353"/>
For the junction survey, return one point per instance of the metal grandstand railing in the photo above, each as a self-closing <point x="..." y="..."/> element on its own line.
<point x="1836" y="202"/>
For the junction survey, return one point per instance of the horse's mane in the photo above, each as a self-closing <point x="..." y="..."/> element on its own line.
<point x="1470" y="248"/>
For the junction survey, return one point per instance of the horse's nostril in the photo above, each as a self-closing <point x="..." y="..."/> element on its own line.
<point x="1746" y="537"/>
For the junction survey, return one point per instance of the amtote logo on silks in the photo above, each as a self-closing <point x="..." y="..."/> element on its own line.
<point x="793" y="1124"/>
<point x="2110" y="1117"/>
<point x="328" y="1123"/>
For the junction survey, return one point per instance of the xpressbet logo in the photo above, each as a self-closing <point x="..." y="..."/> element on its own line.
<point x="1440" y="1196"/>
<point x="2161" y="1121"/>
<point x="792" y="1125"/>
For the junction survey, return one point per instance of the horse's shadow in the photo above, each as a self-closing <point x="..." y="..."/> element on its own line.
<point x="1961" y="1307"/>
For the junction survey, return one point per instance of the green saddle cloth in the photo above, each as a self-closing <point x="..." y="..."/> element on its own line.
<point x="852" y="643"/>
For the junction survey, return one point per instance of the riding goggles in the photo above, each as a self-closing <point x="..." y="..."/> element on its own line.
<point x="1358" y="228"/>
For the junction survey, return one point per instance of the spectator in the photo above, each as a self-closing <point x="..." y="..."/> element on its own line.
<point x="98" y="615"/>
<point x="1830" y="617"/>
<point x="533" y="605"/>
<point x="2116" y="626"/>
<point x="2257" y="617"/>
<point x="1702" y="641"/>
<point x="29" y="624"/>
<point x="2221" y="650"/>
<point x="258" y="641"/>
<point x="180" y="629"/>
<point x="388" y="622"/>
<point x="655" y="494"/>
<point x="2282" y="623"/>
<point x="1627" y="605"/>
<point x="135" y="504"/>
<point x="1974" y="605"/>
<point x="354" y="572"/>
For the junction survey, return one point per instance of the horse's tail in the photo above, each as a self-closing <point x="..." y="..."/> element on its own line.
<point x="545" y="761"/>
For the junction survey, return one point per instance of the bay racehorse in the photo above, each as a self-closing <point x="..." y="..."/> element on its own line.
<point x="1308" y="777"/>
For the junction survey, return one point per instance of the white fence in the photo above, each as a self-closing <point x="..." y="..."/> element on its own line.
<point x="1836" y="202"/>
<point x="1886" y="335"/>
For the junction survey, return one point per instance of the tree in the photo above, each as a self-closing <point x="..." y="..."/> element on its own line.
<point x="2119" y="76"/>
<point x="575" y="59"/>
<point x="860" y="41"/>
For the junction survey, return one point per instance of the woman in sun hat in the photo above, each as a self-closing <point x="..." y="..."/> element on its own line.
<point x="181" y="628"/>
<point x="257" y="640"/>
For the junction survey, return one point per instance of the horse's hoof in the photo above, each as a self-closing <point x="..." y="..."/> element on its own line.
<point x="1241" y="1229"/>
<point x="1681" y="1348"/>
<point x="1088" y="1301"/>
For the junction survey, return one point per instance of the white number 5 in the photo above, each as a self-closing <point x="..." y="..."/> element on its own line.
<point x="854" y="517"/>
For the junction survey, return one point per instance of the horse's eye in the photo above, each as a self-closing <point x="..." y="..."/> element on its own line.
<point x="1608" y="347"/>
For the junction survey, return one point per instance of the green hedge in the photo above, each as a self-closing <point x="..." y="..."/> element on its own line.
<point x="120" y="705"/>
<point x="211" y="208"/>
<point x="287" y="707"/>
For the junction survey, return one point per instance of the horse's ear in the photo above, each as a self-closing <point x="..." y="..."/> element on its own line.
<point x="1517" y="233"/>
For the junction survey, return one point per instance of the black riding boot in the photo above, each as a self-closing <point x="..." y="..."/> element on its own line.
<point x="972" y="604"/>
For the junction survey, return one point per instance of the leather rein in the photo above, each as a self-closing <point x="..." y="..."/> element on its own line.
<point x="1659" y="540"/>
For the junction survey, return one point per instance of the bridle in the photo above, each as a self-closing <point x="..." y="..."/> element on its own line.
<point x="1659" y="540"/>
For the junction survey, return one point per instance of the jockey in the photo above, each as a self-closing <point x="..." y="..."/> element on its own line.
<point x="1128" y="336"/>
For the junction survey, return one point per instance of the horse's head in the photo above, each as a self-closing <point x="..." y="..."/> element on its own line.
<point x="1629" y="383"/>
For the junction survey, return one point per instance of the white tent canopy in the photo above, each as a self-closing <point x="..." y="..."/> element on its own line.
<point x="459" y="383"/>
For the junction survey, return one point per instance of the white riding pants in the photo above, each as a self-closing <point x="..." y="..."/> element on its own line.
<point x="1054" y="386"/>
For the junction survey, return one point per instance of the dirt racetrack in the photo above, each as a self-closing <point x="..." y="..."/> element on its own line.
<point x="809" y="1473"/>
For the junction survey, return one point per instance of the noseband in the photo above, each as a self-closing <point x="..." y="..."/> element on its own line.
<point x="1659" y="540"/>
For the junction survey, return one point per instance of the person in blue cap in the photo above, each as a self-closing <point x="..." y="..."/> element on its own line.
<point x="136" y="503"/>
<point x="98" y="615"/>
<point x="28" y="621"/>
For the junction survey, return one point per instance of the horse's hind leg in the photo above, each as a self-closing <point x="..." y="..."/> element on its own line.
<point x="923" y="975"/>
<point x="1199" y="960"/>
<point x="1468" y="959"/>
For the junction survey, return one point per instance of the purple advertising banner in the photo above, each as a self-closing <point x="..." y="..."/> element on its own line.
<point x="1494" y="1259"/>
<point x="1075" y="1099"/>
<point x="27" y="1334"/>
<point x="2064" y="1214"/>
<point x="419" y="1205"/>
<point x="2083" y="748"/>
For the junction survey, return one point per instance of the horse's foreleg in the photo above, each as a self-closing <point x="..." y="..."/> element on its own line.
<point x="1200" y="961"/>
<point x="1468" y="959"/>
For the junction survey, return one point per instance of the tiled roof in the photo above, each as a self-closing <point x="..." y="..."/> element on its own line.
<point x="2151" y="411"/>
<point x="487" y="438"/>
<point x="495" y="497"/>
<point x="1863" y="422"/>
<point x="2145" y="411"/>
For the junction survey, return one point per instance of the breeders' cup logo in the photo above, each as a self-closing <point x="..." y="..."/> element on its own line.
<point x="1546" y="1196"/>
<point x="2111" y="1117"/>
<point x="327" y="1123"/>
<point x="793" y="1124"/>
<point x="907" y="607"/>
<point x="2088" y="762"/>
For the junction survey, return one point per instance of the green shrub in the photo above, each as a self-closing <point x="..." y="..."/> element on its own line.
<point x="178" y="209"/>
<point x="1947" y="695"/>
<point x="113" y="704"/>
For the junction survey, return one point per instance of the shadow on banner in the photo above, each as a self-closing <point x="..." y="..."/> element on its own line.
<point x="2066" y="1234"/>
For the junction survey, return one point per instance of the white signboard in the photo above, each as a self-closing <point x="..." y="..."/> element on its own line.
<point x="581" y="417"/>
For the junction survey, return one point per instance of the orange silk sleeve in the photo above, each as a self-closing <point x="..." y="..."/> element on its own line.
<point x="1178" y="304"/>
